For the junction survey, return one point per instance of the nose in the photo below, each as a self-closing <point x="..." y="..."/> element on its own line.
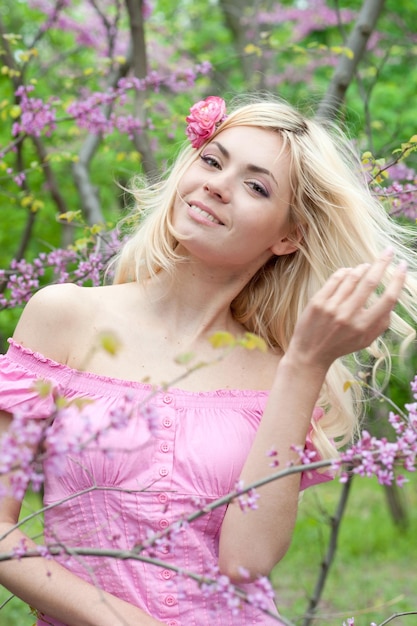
<point x="218" y="188"/>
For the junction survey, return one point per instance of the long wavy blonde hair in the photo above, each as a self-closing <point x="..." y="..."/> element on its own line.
<point x="342" y="225"/>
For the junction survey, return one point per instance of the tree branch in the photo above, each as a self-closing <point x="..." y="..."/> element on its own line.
<point x="346" y="68"/>
<point x="393" y="617"/>
<point x="140" y="70"/>
<point x="53" y="186"/>
<point x="17" y="145"/>
<point x="335" y="523"/>
<point x="90" y="203"/>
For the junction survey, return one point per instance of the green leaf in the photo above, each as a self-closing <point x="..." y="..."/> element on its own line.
<point x="250" y="341"/>
<point x="43" y="387"/>
<point x="185" y="358"/>
<point x="109" y="342"/>
<point x="222" y="339"/>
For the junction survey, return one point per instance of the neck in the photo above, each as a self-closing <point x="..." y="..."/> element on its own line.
<point x="195" y="301"/>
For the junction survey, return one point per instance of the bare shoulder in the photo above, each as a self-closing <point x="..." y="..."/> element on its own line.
<point x="50" y="316"/>
<point x="62" y="321"/>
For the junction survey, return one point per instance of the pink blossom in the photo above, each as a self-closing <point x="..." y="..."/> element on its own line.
<point x="151" y="416"/>
<point x="147" y="9"/>
<point x="44" y="551"/>
<point x="223" y="588"/>
<point x="274" y="455"/>
<point x="247" y="499"/>
<point x="83" y="267"/>
<point x="305" y="454"/>
<point x="19" y="178"/>
<point x="204" y="118"/>
<point x="264" y="592"/>
<point x="401" y="480"/>
<point x="36" y="116"/>
<point x="20" y="549"/>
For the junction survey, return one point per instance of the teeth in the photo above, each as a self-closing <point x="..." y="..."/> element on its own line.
<point x="205" y="213"/>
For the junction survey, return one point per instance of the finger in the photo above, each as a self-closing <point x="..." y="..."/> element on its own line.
<point x="389" y="298"/>
<point x="333" y="283"/>
<point x="345" y="280"/>
<point x="377" y="318"/>
<point x="371" y="278"/>
<point x="348" y="283"/>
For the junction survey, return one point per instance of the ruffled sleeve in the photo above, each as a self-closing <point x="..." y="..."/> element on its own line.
<point x="19" y="386"/>
<point x="314" y="477"/>
<point x="309" y="479"/>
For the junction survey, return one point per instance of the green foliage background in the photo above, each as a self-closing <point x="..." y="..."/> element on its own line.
<point x="380" y="114"/>
<point x="380" y="110"/>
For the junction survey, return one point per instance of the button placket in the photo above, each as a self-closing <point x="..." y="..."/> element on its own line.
<point x="164" y="446"/>
<point x="163" y="456"/>
<point x="166" y="574"/>
<point x="163" y="523"/>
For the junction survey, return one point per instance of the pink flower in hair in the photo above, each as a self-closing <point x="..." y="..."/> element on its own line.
<point x="204" y="118"/>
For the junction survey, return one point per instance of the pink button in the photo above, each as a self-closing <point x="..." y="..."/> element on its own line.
<point x="167" y="422"/>
<point x="164" y="447"/>
<point x="165" y="549"/>
<point x="164" y="471"/>
<point x="166" y="574"/>
<point x="162" y="497"/>
<point x="172" y="622"/>
<point x="167" y="399"/>
<point x="163" y="523"/>
<point x="170" y="600"/>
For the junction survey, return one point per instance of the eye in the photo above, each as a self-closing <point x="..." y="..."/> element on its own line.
<point x="210" y="160"/>
<point x="258" y="188"/>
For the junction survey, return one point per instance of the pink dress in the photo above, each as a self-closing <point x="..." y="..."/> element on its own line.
<point x="119" y="481"/>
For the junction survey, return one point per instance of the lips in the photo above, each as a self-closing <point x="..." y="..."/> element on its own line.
<point x="206" y="213"/>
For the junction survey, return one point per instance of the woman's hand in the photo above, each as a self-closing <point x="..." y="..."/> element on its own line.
<point x="339" y="319"/>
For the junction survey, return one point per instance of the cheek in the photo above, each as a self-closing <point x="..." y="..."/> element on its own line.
<point x="191" y="176"/>
<point x="271" y="226"/>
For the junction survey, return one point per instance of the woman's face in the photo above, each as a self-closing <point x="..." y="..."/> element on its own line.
<point x="232" y="204"/>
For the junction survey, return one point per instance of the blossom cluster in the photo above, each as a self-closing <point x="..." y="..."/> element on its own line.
<point x="371" y="456"/>
<point x="36" y="116"/>
<point x="88" y="112"/>
<point x="18" y="449"/>
<point x="307" y="17"/>
<point x="246" y="498"/>
<point x="30" y="445"/>
<point x="400" y="192"/>
<point x="89" y="32"/>
<point x="380" y="457"/>
<point x="82" y="267"/>
<point x="219" y="586"/>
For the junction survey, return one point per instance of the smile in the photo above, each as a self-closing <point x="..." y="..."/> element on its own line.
<point x="205" y="214"/>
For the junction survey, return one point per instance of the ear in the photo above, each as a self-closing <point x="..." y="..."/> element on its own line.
<point x="288" y="244"/>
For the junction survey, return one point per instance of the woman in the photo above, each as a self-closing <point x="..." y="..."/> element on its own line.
<point x="263" y="225"/>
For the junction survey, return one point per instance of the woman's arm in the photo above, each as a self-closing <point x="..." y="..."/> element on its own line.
<point x="336" y="322"/>
<point x="48" y="586"/>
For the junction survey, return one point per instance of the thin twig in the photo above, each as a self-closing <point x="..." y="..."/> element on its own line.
<point x="335" y="524"/>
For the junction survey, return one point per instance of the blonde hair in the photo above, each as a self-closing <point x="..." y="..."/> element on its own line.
<point x="342" y="225"/>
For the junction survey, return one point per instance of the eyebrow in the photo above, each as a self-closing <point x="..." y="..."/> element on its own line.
<point x="250" y="167"/>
